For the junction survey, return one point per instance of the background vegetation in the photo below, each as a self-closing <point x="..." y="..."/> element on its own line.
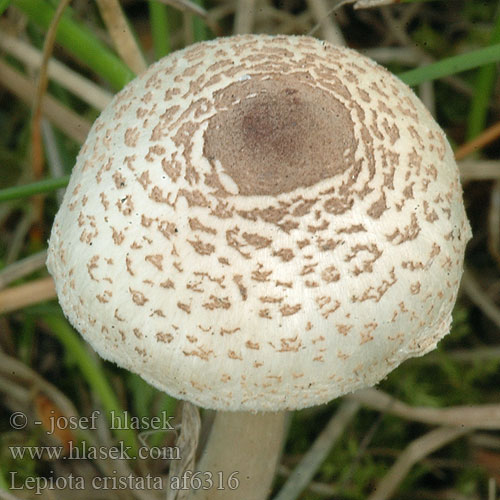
<point x="370" y="445"/>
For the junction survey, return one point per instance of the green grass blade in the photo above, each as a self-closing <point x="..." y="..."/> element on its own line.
<point x="80" y="41"/>
<point x="167" y="407"/>
<point x="3" y="6"/>
<point x="3" y="482"/>
<point x="483" y="88"/>
<point x="39" y="187"/>
<point x="479" y="105"/>
<point x="141" y="394"/>
<point x="200" y="29"/>
<point x="160" y="30"/>
<point x="452" y="65"/>
<point x="94" y="375"/>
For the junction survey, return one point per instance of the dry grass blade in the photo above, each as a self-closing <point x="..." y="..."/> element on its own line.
<point x="123" y="39"/>
<point x="188" y="443"/>
<point x="476" y="294"/>
<point x="322" y="15"/>
<point x="41" y="88"/>
<point x="85" y="89"/>
<point x="402" y="55"/>
<point x="492" y="489"/>
<point x="22" y="268"/>
<point x="55" y="160"/>
<point x="192" y="8"/>
<point x="5" y="495"/>
<point x="14" y="395"/>
<point x="187" y="6"/>
<point x="67" y="120"/>
<point x="357" y="4"/>
<point x="477" y="354"/>
<point x="479" y="170"/>
<point x="321" y="489"/>
<point x="476" y="417"/>
<point x="21" y="385"/>
<point x="494" y="222"/>
<point x="17" y="372"/>
<point x="244" y="17"/>
<point x="317" y="453"/>
<point x="414" y="452"/>
<point x="368" y="4"/>
<point x="486" y="137"/>
<point x="28" y="294"/>
<point x="37" y="156"/>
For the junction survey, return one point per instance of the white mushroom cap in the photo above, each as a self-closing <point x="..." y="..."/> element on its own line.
<point x="261" y="223"/>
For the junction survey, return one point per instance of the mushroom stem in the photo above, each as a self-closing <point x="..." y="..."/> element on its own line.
<point x="241" y="455"/>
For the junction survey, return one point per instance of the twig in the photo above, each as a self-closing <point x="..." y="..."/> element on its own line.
<point x="317" y="453"/>
<point x="476" y="417"/>
<point x="123" y="39"/>
<point x="28" y="294"/>
<point x="64" y="118"/>
<point x="85" y="89"/>
<point x="414" y="452"/>
<point x="22" y="268"/>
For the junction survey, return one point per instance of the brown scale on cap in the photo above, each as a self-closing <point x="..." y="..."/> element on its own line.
<point x="278" y="135"/>
<point x="248" y="196"/>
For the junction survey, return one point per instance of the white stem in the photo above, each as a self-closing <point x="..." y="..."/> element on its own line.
<point x="243" y="451"/>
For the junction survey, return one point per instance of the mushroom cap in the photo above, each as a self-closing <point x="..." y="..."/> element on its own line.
<point x="261" y="223"/>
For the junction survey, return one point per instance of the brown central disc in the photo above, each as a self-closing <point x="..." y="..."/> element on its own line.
<point x="272" y="136"/>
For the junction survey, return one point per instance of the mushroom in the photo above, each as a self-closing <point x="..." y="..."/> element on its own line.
<point x="259" y="224"/>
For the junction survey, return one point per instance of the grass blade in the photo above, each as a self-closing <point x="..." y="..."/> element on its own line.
<point x="80" y="41"/>
<point x="452" y="65"/>
<point x="160" y="30"/>
<point x="483" y="88"/>
<point x="40" y="187"/>
<point x="200" y="30"/>
<point x="93" y="374"/>
<point x="3" y="6"/>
